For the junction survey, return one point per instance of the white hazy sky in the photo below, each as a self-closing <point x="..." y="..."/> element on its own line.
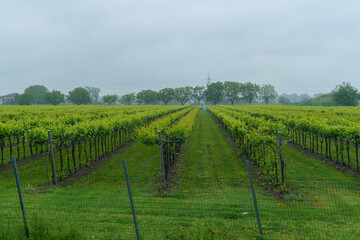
<point x="299" y="46"/>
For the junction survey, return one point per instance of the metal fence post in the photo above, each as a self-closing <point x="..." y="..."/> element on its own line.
<point x="131" y="200"/>
<point x="254" y="196"/>
<point x="51" y="156"/>
<point x="20" y="196"/>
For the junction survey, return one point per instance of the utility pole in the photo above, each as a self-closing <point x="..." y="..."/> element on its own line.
<point x="208" y="80"/>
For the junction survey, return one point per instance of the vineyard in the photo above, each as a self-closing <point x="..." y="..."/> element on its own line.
<point x="333" y="133"/>
<point x="80" y="136"/>
<point x="305" y="162"/>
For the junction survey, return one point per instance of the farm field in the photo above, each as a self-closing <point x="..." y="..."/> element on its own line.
<point x="208" y="195"/>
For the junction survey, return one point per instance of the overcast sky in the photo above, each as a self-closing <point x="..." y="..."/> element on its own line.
<point x="299" y="46"/>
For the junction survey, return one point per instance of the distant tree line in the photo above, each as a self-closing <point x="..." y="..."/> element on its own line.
<point x="218" y="92"/>
<point x="228" y="92"/>
<point x="39" y="94"/>
<point x="343" y="94"/>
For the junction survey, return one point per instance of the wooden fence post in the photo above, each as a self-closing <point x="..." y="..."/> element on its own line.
<point x="51" y="157"/>
<point x="282" y="163"/>
<point x="162" y="162"/>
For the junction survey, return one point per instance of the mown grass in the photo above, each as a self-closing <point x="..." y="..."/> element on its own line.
<point x="210" y="197"/>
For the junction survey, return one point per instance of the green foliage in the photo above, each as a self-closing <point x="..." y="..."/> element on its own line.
<point x="183" y="94"/>
<point x="166" y="95"/>
<point x="128" y="99"/>
<point x="26" y="99"/>
<point x="249" y="92"/>
<point x="39" y="92"/>
<point x="79" y="96"/>
<point x="215" y="92"/>
<point x="149" y="134"/>
<point x="231" y="91"/>
<point x="322" y="100"/>
<point x="284" y="100"/>
<point x="55" y="97"/>
<point x="94" y="94"/>
<point x="345" y="94"/>
<point x="147" y="96"/>
<point x="198" y="93"/>
<point x="110" y="99"/>
<point x="267" y="93"/>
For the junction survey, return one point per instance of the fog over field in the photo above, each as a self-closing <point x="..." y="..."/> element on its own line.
<point x="299" y="46"/>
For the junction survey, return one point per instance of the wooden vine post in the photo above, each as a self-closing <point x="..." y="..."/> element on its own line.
<point x="162" y="162"/>
<point x="282" y="162"/>
<point x="51" y="158"/>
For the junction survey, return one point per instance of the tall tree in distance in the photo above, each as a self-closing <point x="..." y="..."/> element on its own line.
<point x="79" y="96"/>
<point x="183" y="94"/>
<point x="147" y="96"/>
<point x="249" y="92"/>
<point x="215" y="92"/>
<point x="231" y="91"/>
<point x="198" y="93"/>
<point x="128" y="99"/>
<point x="26" y="99"/>
<point x="284" y="100"/>
<point x="94" y="94"/>
<point x="55" y="97"/>
<point x="166" y="95"/>
<point x="110" y="99"/>
<point x="39" y="92"/>
<point x="267" y="93"/>
<point x="345" y="94"/>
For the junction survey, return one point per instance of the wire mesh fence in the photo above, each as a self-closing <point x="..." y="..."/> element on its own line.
<point x="97" y="206"/>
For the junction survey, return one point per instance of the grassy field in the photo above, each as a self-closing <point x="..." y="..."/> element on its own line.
<point x="209" y="197"/>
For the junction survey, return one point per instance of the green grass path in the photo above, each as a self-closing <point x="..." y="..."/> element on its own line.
<point x="209" y="154"/>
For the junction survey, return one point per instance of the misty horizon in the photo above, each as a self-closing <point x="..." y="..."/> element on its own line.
<point x="123" y="47"/>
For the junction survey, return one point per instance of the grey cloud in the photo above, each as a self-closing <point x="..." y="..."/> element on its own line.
<point x="126" y="46"/>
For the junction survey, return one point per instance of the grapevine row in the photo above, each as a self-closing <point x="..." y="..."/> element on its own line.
<point x="333" y="134"/>
<point x="256" y="137"/>
<point x="80" y="144"/>
<point x="169" y="132"/>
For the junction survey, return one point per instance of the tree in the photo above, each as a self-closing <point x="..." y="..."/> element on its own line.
<point x="284" y="100"/>
<point x="26" y="99"/>
<point x="215" y="92"/>
<point x="249" y="92"/>
<point x="94" y="94"/>
<point x="198" y="93"/>
<point x="304" y="97"/>
<point x="147" y="96"/>
<point x="231" y="91"/>
<point x="55" y="97"/>
<point x="110" y="99"/>
<point x="166" y="95"/>
<point x="39" y="92"/>
<point x="267" y="93"/>
<point x="79" y="96"/>
<point x="128" y="99"/>
<point x="183" y="94"/>
<point x="345" y="94"/>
